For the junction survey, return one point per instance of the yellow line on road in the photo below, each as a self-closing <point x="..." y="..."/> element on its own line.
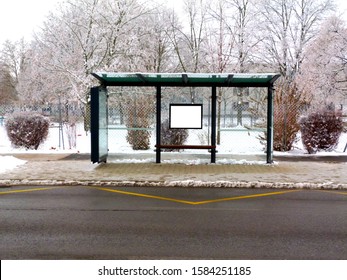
<point x="146" y="195"/>
<point x="244" y="197"/>
<point x="194" y="202"/>
<point x="28" y="190"/>
<point x="335" y="192"/>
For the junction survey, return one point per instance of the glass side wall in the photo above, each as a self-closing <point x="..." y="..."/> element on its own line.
<point x="99" y="125"/>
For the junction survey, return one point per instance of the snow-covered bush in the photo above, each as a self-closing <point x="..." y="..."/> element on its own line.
<point x="26" y="129"/>
<point x="321" y="130"/>
<point x="172" y="136"/>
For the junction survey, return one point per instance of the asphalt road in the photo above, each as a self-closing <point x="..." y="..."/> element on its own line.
<point x="171" y="223"/>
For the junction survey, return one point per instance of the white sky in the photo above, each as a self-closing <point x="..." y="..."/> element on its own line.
<point x="18" y="18"/>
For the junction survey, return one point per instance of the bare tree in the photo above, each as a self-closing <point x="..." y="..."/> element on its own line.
<point x="7" y="91"/>
<point x="12" y="59"/>
<point x="84" y="36"/>
<point x="288" y="27"/>
<point x="38" y="83"/>
<point x="220" y="39"/>
<point x="194" y="37"/>
<point x="232" y="42"/>
<point x="244" y="26"/>
<point x="188" y="40"/>
<point x="150" y="49"/>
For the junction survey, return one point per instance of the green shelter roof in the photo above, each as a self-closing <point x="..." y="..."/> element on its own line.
<point x="187" y="79"/>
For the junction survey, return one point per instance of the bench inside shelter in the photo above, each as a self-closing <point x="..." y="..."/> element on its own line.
<point x="192" y="147"/>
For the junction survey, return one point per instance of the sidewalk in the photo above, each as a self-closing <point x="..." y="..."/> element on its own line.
<point x="184" y="170"/>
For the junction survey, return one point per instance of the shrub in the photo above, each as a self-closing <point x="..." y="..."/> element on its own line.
<point x="321" y="130"/>
<point x="172" y="136"/>
<point x="27" y="129"/>
<point x="139" y="139"/>
<point x="286" y="116"/>
<point x="138" y="118"/>
<point x="288" y="103"/>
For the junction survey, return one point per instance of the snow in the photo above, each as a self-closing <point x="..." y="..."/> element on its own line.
<point x="53" y="144"/>
<point x="9" y="162"/>
<point x="299" y="148"/>
<point x="237" y="184"/>
<point x="185" y="161"/>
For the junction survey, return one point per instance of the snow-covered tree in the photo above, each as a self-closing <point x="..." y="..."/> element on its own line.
<point x="219" y="38"/>
<point x="288" y="27"/>
<point x="7" y="91"/>
<point x="230" y="42"/>
<point x="150" y="49"/>
<point x="188" y="38"/>
<point x="12" y="58"/>
<point x="38" y="83"/>
<point x="324" y="72"/>
<point x="81" y="37"/>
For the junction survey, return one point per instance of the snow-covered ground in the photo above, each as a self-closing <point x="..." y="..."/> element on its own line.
<point x="53" y="143"/>
<point x="9" y="162"/>
<point x="237" y="141"/>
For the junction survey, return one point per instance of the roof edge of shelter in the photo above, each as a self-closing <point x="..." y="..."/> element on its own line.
<point x="186" y="79"/>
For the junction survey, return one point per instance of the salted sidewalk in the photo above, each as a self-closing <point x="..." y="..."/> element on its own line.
<point x="49" y="169"/>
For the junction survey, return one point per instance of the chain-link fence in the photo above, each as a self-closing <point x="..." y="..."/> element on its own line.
<point x="241" y="118"/>
<point x="69" y="112"/>
<point x="242" y="124"/>
<point x="131" y="120"/>
<point x="64" y="119"/>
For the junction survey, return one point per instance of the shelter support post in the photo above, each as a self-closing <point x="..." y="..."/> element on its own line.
<point x="158" y="123"/>
<point x="270" y="125"/>
<point x="213" y="123"/>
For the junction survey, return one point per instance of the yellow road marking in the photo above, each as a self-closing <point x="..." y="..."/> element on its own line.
<point x="194" y="202"/>
<point x="145" y="195"/>
<point x="244" y="197"/>
<point x="336" y="192"/>
<point x="28" y="190"/>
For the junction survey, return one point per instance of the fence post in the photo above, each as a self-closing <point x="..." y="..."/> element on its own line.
<point x="270" y="125"/>
<point x="61" y="130"/>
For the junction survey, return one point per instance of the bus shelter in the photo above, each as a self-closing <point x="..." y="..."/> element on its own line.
<point x="99" y="105"/>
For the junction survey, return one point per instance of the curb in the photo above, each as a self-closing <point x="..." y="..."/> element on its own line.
<point x="181" y="184"/>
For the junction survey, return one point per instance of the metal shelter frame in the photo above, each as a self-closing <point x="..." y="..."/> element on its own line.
<point x="159" y="80"/>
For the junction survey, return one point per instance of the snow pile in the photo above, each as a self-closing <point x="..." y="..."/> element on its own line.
<point x="147" y="160"/>
<point x="242" y="162"/>
<point x="218" y="161"/>
<point x="8" y="162"/>
<point x="253" y="185"/>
